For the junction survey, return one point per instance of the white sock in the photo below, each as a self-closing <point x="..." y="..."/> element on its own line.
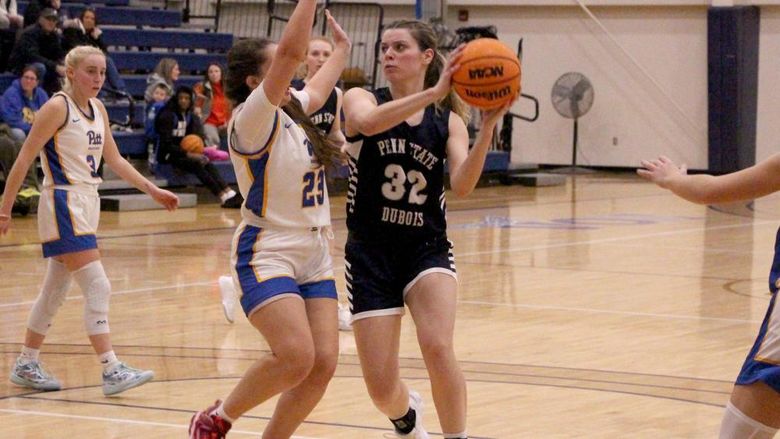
<point x="737" y="425"/>
<point x="108" y="360"/>
<point x="29" y="355"/>
<point x="228" y="194"/>
<point x="220" y="411"/>
<point x="461" y="435"/>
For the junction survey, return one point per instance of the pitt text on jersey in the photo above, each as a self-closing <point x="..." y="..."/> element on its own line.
<point x="398" y="146"/>
<point x="95" y="139"/>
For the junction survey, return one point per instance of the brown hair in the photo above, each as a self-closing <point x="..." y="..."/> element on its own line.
<point x="164" y="69"/>
<point x="423" y="34"/>
<point x="245" y="59"/>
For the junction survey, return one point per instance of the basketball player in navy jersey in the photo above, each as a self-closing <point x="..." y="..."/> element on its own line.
<point x="327" y="118"/>
<point x="753" y="411"/>
<point x="397" y="251"/>
<point x="281" y="260"/>
<point x="72" y="134"/>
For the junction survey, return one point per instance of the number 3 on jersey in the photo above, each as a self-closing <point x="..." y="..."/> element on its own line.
<point x="92" y="166"/>
<point x="313" y="188"/>
<point x="396" y="187"/>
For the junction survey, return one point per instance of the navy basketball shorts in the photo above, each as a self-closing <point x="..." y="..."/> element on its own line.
<point x="379" y="275"/>
<point x="763" y="361"/>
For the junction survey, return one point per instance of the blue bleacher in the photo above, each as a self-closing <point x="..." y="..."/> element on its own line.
<point x="192" y="62"/>
<point x="136" y="84"/>
<point x="123" y="15"/>
<point x="99" y="2"/>
<point x="177" y="178"/>
<point x="168" y="39"/>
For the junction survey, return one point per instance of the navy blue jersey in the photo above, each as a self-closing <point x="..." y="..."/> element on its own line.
<point x="396" y="179"/>
<point x="326" y="115"/>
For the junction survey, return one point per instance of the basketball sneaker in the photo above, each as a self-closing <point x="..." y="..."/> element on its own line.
<point x="33" y="375"/>
<point x="345" y="318"/>
<point x="207" y="425"/>
<point x="124" y="377"/>
<point x="416" y="403"/>
<point x="228" y="294"/>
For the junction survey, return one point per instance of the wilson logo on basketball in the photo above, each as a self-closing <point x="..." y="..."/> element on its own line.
<point x="486" y="72"/>
<point x="490" y="95"/>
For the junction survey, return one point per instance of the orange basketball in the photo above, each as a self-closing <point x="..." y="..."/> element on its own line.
<point x="192" y="143"/>
<point x="489" y="74"/>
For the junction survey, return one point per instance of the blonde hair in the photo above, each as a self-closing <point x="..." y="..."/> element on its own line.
<point x="74" y="58"/>
<point x="303" y="69"/>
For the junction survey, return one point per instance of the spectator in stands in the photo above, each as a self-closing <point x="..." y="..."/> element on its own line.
<point x="34" y="8"/>
<point x="159" y="98"/>
<point x="9" y="17"/>
<point x="177" y="120"/>
<point x="33" y="11"/>
<point x="40" y="46"/>
<point x="27" y="197"/>
<point x="86" y="33"/>
<point x="211" y="105"/>
<point x="20" y="101"/>
<point x="167" y="73"/>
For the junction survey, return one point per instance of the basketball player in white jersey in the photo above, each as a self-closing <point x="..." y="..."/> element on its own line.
<point x="328" y="119"/>
<point x="753" y="411"/>
<point x="72" y="134"/>
<point x="281" y="261"/>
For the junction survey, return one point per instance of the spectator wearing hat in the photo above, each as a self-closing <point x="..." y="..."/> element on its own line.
<point x="40" y="46"/>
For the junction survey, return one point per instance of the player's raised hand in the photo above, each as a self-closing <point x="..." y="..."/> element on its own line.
<point x="661" y="171"/>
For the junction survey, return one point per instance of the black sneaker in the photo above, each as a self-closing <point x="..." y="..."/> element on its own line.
<point x="233" y="202"/>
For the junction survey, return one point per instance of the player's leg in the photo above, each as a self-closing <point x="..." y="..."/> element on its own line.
<point x="752" y="412"/>
<point x="89" y="274"/>
<point x="295" y="404"/>
<point x="431" y="302"/>
<point x="28" y="370"/>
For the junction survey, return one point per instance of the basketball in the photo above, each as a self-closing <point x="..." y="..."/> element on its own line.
<point x="192" y="143"/>
<point x="489" y="74"/>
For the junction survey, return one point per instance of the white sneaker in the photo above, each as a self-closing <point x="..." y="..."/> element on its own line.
<point x="415" y="402"/>
<point x="345" y="318"/>
<point x="228" y="294"/>
<point x="124" y="377"/>
<point x="34" y="376"/>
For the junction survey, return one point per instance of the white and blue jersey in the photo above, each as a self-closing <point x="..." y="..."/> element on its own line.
<point x="281" y="247"/>
<point x="72" y="156"/>
<point x="276" y="171"/>
<point x="69" y="209"/>
<point x="763" y="361"/>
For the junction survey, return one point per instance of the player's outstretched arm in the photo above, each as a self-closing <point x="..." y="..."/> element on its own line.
<point x="323" y="82"/>
<point x="754" y="182"/>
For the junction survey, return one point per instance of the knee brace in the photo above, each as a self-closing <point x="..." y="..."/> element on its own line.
<point x="96" y="290"/>
<point x="56" y="285"/>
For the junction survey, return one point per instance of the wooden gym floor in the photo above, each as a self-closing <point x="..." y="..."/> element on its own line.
<point x="605" y="308"/>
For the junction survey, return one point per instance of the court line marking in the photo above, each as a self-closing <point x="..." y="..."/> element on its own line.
<point x="511" y="250"/>
<point x="124" y="421"/>
<point x="603" y="311"/>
